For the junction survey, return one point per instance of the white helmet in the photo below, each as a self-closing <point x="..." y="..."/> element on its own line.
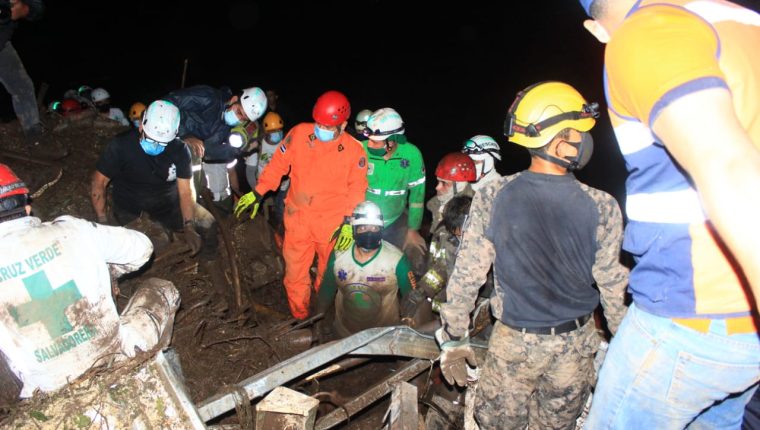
<point x="482" y="148"/>
<point x="384" y="123"/>
<point x="360" y="123"/>
<point x="367" y="213"/>
<point x="161" y="121"/>
<point x="254" y="102"/>
<point x="99" y="95"/>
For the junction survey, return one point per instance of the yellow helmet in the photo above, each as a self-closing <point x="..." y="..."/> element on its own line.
<point x="136" y="111"/>
<point x="272" y="122"/>
<point x="542" y="110"/>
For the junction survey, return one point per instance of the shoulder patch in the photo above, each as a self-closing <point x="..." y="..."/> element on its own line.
<point x="282" y="147"/>
<point x="340" y="147"/>
<point x="404" y="163"/>
<point x="362" y="162"/>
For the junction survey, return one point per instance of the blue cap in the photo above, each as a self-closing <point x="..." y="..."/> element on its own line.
<point x="587" y="6"/>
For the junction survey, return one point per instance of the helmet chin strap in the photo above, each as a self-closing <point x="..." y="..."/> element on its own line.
<point x="554" y="160"/>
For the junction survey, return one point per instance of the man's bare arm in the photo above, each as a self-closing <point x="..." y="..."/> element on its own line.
<point x="98" y="186"/>
<point x="703" y="133"/>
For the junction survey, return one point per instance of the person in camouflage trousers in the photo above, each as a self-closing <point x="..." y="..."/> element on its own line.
<point x="550" y="238"/>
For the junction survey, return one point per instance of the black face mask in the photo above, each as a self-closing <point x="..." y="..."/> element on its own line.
<point x="369" y="239"/>
<point x="585" y="149"/>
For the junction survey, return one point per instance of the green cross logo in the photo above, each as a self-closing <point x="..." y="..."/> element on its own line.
<point x="47" y="306"/>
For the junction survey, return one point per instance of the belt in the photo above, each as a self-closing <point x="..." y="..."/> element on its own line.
<point x="736" y="325"/>
<point x="565" y="327"/>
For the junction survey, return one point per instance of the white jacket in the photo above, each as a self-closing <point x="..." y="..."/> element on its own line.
<point x="57" y="316"/>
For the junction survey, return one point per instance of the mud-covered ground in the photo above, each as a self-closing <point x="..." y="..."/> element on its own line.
<point x="218" y="342"/>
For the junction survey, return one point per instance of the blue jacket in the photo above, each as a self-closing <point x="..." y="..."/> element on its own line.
<point x="201" y="108"/>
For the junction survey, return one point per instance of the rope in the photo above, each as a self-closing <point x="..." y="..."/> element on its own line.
<point x="44" y="188"/>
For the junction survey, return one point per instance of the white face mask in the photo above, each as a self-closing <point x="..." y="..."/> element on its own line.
<point x="483" y="164"/>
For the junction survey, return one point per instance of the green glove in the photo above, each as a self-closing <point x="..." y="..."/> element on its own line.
<point x="455" y="356"/>
<point x="252" y="198"/>
<point x="345" y="235"/>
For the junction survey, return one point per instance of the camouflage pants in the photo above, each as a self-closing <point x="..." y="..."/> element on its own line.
<point x="539" y="381"/>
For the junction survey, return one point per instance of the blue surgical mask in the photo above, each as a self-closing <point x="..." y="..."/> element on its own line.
<point x="276" y="136"/>
<point x="136" y="123"/>
<point x="323" y="135"/>
<point x="151" y="148"/>
<point x="230" y="118"/>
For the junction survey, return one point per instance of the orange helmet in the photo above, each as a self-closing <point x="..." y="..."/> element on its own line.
<point x="272" y="122"/>
<point x="332" y="108"/>
<point x="136" y="111"/>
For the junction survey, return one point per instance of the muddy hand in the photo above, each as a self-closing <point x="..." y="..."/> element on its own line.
<point x="246" y="201"/>
<point x="413" y="239"/>
<point x="196" y="145"/>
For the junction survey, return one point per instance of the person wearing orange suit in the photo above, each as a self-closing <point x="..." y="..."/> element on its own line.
<point x="328" y="174"/>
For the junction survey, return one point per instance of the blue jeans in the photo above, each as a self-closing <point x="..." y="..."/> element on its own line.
<point x="17" y="82"/>
<point x="661" y="375"/>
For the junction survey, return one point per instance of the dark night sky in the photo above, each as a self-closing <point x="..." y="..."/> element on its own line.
<point x="451" y="72"/>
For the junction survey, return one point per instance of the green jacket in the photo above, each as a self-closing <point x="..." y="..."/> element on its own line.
<point x="390" y="181"/>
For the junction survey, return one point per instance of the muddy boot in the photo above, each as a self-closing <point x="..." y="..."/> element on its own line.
<point x="42" y="145"/>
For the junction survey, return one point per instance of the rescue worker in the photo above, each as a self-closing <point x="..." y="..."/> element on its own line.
<point x="365" y="281"/>
<point x="396" y="177"/>
<point x="328" y="174"/>
<point x="678" y="74"/>
<point x="454" y="173"/>
<point x="136" y="113"/>
<point x="360" y="123"/>
<point x="444" y="246"/>
<point x="150" y="171"/>
<point x="273" y="134"/>
<point x="550" y="238"/>
<point x="208" y="115"/>
<point x="19" y="85"/>
<point x="57" y="317"/>
<point x="484" y="151"/>
<point x="82" y="95"/>
<point x="70" y="108"/>
<point x="102" y="101"/>
<point x="260" y="155"/>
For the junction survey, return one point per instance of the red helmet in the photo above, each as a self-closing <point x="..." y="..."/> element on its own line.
<point x="331" y="108"/>
<point x="10" y="184"/>
<point x="70" y="106"/>
<point x="457" y="167"/>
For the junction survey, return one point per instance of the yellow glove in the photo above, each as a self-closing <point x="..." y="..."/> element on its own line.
<point x="245" y="202"/>
<point x="345" y="235"/>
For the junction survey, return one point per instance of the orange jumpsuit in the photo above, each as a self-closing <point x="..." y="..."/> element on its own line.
<point x="327" y="180"/>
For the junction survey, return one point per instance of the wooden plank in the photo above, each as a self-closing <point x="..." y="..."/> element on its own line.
<point x="403" y="409"/>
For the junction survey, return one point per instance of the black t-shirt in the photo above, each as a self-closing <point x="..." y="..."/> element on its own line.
<point x="544" y="230"/>
<point x="138" y="178"/>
